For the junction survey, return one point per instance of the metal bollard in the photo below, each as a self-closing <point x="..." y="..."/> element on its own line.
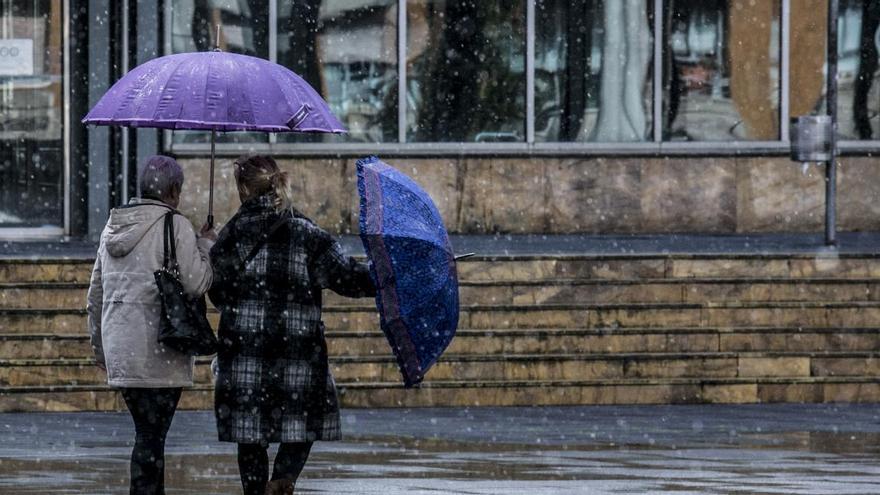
<point x="812" y="140"/>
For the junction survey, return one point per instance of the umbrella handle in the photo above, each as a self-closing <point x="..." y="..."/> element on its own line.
<point x="463" y="256"/>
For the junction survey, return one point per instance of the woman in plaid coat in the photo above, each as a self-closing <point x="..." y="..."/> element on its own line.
<point x="273" y="380"/>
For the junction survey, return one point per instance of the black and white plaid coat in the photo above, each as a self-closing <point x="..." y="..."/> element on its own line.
<point x="273" y="382"/>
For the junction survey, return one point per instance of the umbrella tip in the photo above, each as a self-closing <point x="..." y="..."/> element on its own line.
<point x="217" y="40"/>
<point x="367" y="160"/>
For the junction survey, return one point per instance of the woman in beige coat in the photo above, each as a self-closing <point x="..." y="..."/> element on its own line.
<point x="124" y="312"/>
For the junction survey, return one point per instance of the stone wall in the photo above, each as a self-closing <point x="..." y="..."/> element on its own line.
<point x="581" y="195"/>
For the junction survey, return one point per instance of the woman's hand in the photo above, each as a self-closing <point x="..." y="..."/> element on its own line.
<point x="207" y="231"/>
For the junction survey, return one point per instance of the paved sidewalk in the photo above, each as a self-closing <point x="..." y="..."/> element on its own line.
<point x="755" y="449"/>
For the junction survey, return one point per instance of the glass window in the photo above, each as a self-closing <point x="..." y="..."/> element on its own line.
<point x="31" y="105"/>
<point x="721" y="70"/>
<point x="244" y="28"/>
<point x="347" y="50"/>
<point x="594" y="66"/>
<point x="858" y="101"/>
<point x="593" y="70"/>
<point x="465" y="70"/>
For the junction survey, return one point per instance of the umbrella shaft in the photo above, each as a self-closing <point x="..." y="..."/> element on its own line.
<point x="210" y="220"/>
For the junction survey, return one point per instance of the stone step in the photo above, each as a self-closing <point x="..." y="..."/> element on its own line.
<point x="44" y="346"/>
<point x="534" y="330"/>
<point x="30" y="271"/>
<point x="585" y="367"/>
<point x="535" y="341"/>
<point x="514" y="367"/>
<point x="716" y="290"/>
<point x="73" y="295"/>
<point x="553" y="267"/>
<point x="851" y="314"/>
<point x="615" y="392"/>
<point x="485" y="393"/>
<point x="673" y="266"/>
<point x="69" y="372"/>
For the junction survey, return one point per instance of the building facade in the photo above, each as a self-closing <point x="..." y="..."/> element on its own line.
<point x="518" y="116"/>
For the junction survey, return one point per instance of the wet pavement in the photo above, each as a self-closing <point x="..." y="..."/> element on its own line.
<point x="753" y="449"/>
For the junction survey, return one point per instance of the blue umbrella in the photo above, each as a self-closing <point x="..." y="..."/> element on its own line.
<point x="413" y="265"/>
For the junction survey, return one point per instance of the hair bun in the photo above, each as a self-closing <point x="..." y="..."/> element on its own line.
<point x="259" y="174"/>
<point x="278" y="178"/>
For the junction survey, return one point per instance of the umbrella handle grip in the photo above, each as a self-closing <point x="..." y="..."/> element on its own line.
<point x="210" y="221"/>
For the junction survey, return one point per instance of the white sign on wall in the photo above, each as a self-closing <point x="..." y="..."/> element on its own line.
<point x="16" y="57"/>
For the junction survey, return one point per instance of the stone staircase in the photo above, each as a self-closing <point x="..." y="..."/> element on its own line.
<point x="533" y="331"/>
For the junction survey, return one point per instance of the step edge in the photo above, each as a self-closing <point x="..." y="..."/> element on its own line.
<point x="560" y="282"/>
<point x="544" y="307"/>
<point x="503" y="358"/>
<point x="506" y="384"/>
<point x="531" y="332"/>
<point x="478" y="258"/>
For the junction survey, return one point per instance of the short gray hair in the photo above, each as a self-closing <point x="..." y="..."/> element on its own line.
<point x="159" y="176"/>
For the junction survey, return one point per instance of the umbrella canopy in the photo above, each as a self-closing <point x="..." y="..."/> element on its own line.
<point x="216" y="91"/>
<point x="413" y="265"/>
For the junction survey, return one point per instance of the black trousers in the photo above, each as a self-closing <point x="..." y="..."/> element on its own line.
<point x="152" y="410"/>
<point x="253" y="464"/>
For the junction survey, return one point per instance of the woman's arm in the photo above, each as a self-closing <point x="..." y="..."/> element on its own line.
<point x="225" y="261"/>
<point x="342" y="274"/>
<point x="193" y="258"/>
<point x="95" y="308"/>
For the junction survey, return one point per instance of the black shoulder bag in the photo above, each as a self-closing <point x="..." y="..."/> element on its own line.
<point x="184" y="324"/>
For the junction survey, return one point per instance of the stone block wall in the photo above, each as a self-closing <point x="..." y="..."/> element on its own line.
<point x="580" y="195"/>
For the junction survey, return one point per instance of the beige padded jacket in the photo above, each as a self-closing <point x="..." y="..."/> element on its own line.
<point x="123" y="302"/>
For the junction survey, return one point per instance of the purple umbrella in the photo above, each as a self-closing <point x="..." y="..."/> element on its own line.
<point x="215" y="91"/>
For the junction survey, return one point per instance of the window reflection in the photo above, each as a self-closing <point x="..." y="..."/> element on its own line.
<point x="721" y="69"/>
<point x="244" y="28"/>
<point x="465" y="70"/>
<point x="858" y="101"/>
<point x="592" y="70"/>
<point x="31" y="105"/>
<point x="593" y="65"/>
<point x="808" y="32"/>
<point x="347" y="50"/>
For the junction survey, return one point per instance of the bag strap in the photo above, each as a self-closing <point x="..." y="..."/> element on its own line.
<point x="169" y="256"/>
<point x="263" y="238"/>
